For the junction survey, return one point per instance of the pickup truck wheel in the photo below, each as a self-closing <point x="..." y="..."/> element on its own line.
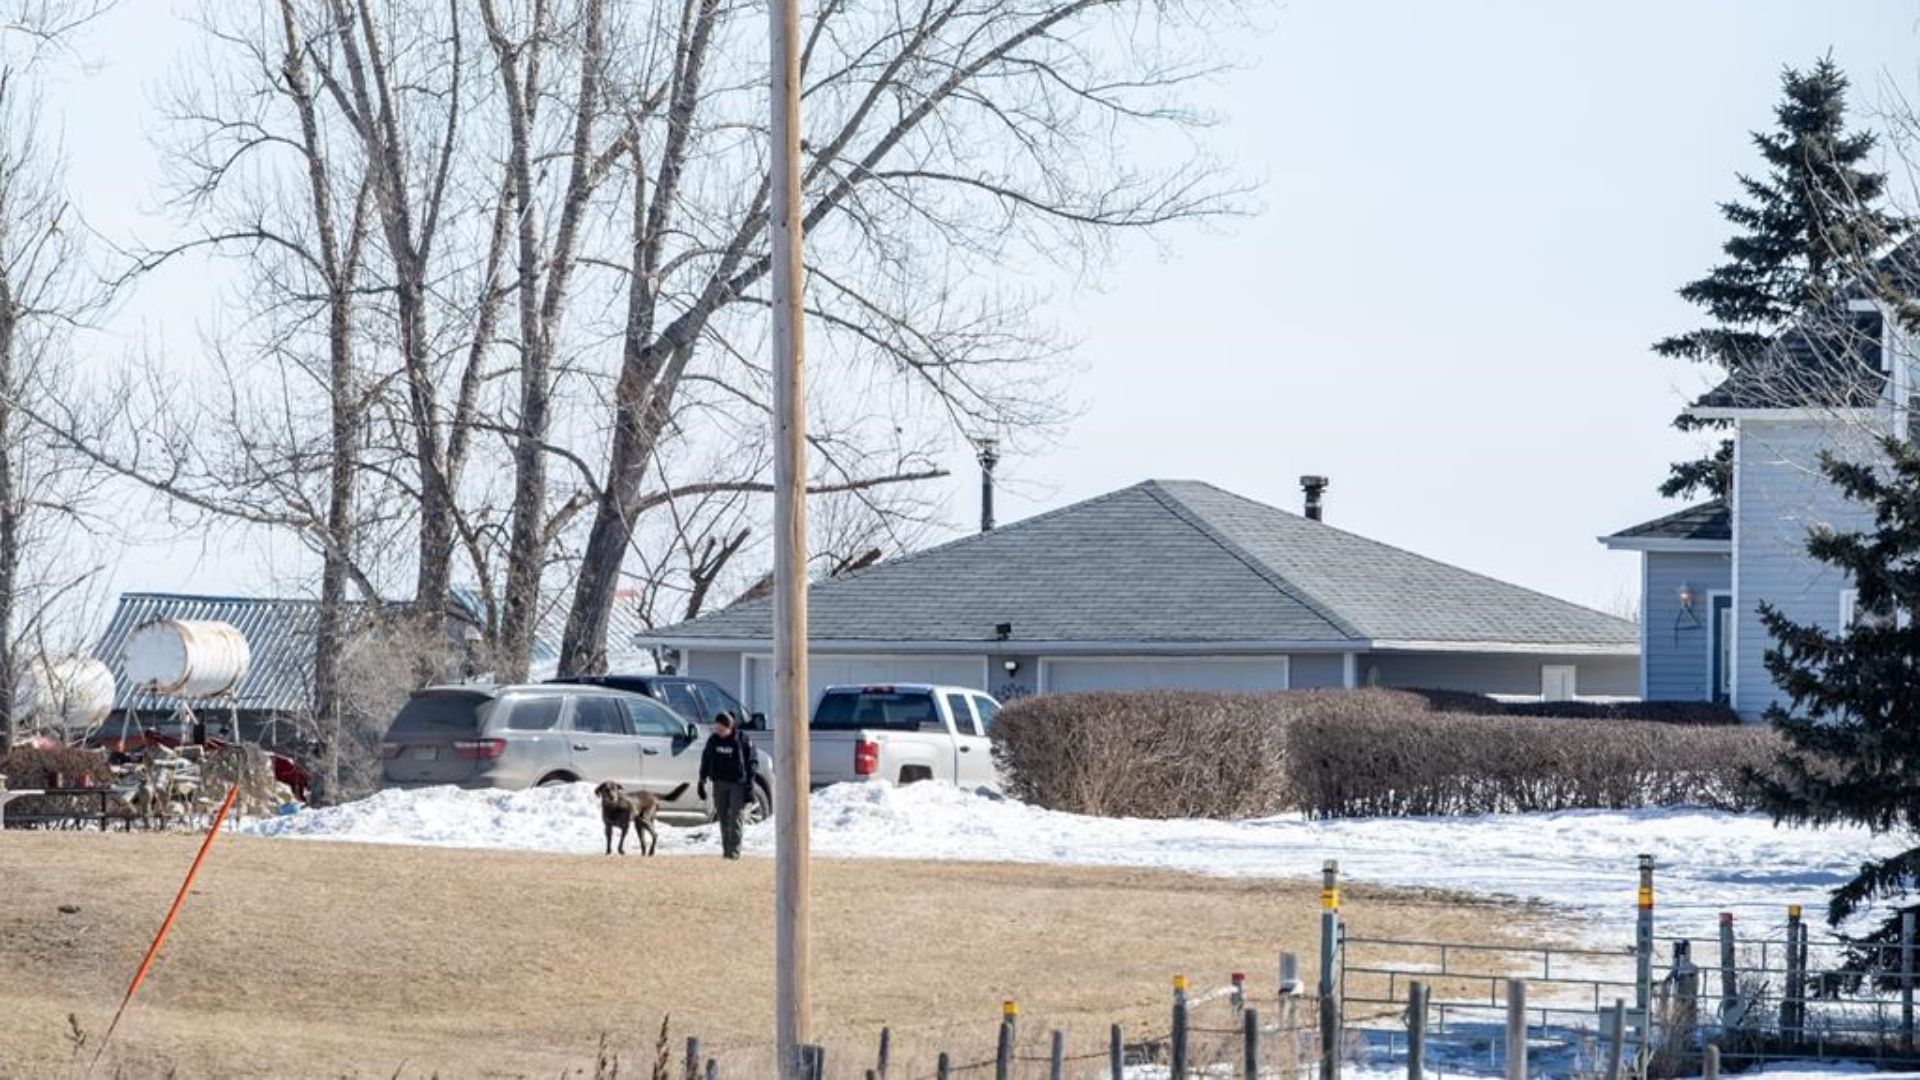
<point x="759" y="808"/>
<point x="913" y="774"/>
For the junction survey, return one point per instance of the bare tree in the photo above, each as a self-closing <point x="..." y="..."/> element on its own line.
<point x="45" y="296"/>
<point x="542" y="286"/>
<point x="946" y="141"/>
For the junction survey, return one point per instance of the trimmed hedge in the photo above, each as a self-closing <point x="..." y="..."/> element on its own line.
<point x="1346" y="753"/>
<point x="1659" y="712"/>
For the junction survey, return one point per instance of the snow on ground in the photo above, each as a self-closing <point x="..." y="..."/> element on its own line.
<point x="1585" y="860"/>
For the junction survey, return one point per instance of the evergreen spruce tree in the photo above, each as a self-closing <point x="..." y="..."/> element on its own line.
<point x="1852" y="725"/>
<point x="1806" y="228"/>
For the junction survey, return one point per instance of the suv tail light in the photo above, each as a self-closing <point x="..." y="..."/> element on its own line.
<point x="866" y="757"/>
<point x="480" y="749"/>
<point x="390" y="750"/>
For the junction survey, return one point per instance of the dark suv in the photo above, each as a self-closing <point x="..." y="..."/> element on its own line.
<point x="699" y="700"/>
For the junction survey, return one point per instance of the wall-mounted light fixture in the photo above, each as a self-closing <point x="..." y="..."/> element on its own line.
<point x="1685" y="618"/>
<point x="1011" y="665"/>
<point x="1003" y="631"/>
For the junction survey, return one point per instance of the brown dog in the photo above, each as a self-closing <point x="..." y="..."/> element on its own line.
<point x="620" y="808"/>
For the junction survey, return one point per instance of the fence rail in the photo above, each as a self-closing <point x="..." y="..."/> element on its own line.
<point x="1652" y="1008"/>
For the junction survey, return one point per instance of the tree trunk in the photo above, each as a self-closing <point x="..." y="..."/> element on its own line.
<point x="10" y="667"/>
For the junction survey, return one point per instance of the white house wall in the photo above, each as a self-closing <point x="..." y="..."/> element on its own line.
<point x="1066" y="675"/>
<point x="1515" y="674"/>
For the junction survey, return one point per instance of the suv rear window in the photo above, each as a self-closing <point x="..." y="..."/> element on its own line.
<point x="533" y="714"/>
<point x="877" y="710"/>
<point x="441" y="715"/>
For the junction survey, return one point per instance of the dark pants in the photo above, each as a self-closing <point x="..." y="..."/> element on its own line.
<point x="729" y="803"/>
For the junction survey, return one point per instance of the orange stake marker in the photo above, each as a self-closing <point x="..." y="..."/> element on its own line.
<point x="146" y="963"/>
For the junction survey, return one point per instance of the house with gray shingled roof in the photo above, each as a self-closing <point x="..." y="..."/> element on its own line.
<point x="1172" y="584"/>
<point x="1832" y="383"/>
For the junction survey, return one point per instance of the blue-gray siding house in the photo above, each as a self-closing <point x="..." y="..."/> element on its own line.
<point x="1833" y="387"/>
<point x="1686" y="602"/>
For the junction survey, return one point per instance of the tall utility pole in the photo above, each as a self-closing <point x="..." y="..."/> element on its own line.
<point x="793" y="952"/>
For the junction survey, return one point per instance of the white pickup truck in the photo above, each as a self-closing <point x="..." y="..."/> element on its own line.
<point x="902" y="733"/>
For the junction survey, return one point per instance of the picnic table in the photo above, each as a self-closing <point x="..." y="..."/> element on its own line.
<point x="98" y="793"/>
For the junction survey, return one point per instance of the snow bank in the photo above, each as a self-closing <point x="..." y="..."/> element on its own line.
<point x="1710" y="860"/>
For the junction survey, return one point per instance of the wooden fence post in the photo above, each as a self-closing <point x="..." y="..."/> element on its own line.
<point x="692" y="1071"/>
<point x="886" y="1052"/>
<point x="943" y="1067"/>
<point x="1686" y="997"/>
<point x="1057" y="1060"/>
<point x="1003" y="1051"/>
<point x="1729" y="979"/>
<point x="1416" y="1030"/>
<point x="1516" y="1029"/>
<point x="1289" y="990"/>
<point x="1250" y="1044"/>
<point x="1906" y="981"/>
<point x="713" y="1069"/>
<point x="1616" y="1038"/>
<point x="1710" y="1067"/>
<point x="1116" y="1053"/>
<point x="1179" y="1065"/>
<point x="1792" y="1021"/>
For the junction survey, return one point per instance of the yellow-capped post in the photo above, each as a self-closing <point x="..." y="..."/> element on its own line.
<point x="1003" y="1054"/>
<point x="1329" y="945"/>
<point x="1178" y="1067"/>
<point x="1643" y="960"/>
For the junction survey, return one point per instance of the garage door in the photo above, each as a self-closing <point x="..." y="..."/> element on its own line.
<point x="825" y="671"/>
<point x="1188" y="673"/>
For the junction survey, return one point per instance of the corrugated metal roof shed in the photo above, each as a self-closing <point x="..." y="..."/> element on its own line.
<point x="280" y="632"/>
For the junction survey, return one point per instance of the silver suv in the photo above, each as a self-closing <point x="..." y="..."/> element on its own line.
<point x="527" y="736"/>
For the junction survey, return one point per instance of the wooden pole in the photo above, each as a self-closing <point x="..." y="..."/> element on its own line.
<point x="1416" y="1030"/>
<point x="1616" y="1038"/>
<point x="1516" y="1029"/>
<point x="793" y="954"/>
<point x="1906" y="982"/>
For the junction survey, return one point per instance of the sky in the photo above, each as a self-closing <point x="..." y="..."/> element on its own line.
<point x="1469" y="223"/>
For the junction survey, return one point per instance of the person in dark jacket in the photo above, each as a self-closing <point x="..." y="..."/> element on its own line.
<point x="727" y="764"/>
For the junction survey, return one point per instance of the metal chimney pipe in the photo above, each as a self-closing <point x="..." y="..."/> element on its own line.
<point x="989" y="457"/>
<point x="1315" y="487"/>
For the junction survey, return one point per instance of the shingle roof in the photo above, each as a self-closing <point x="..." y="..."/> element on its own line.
<point x="1172" y="561"/>
<point x="1835" y="364"/>
<point x="1712" y="520"/>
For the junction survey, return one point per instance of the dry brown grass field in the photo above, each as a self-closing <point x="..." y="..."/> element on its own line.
<point x="335" y="960"/>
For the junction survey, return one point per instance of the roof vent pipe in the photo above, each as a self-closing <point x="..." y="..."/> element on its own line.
<point x="1315" y="487"/>
<point x="989" y="457"/>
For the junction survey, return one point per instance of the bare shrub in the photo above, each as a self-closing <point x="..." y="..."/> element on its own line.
<point x="379" y="667"/>
<point x="1339" y="753"/>
<point x="1164" y="754"/>
<point x="53" y="767"/>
